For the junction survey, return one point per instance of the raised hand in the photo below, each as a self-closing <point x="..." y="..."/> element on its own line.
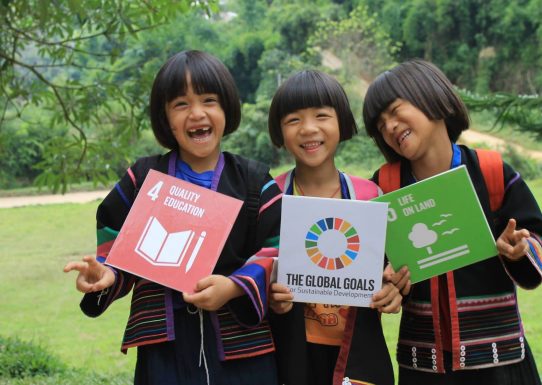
<point x="512" y="243"/>
<point x="280" y="298"/>
<point x="213" y="292"/>
<point x="93" y="276"/>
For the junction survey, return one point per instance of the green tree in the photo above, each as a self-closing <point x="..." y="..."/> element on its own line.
<point x="487" y="46"/>
<point x="365" y="48"/>
<point x="57" y="63"/>
<point x="522" y="111"/>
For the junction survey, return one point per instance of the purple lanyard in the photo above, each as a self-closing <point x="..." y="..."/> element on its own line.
<point x="216" y="174"/>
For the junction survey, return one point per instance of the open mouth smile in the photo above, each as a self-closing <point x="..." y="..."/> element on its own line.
<point x="199" y="134"/>
<point x="311" y="146"/>
<point x="405" y="134"/>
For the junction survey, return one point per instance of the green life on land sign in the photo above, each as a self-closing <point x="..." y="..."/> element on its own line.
<point x="437" y="225"/>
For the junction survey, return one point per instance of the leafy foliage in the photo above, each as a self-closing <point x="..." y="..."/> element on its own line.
<point x="75" y="76"/>
<point x="26" y="363"/>
<point x="22" y="359"/>
<point x="365" y="47"/>
<point x="522" y="111"/>
<point x="486" y="46"/>
<point x="60" y="59"/>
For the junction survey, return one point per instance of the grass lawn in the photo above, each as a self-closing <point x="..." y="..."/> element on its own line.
<point x="39" y="302"/>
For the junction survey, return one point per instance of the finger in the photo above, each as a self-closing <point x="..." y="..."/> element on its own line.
<point x="504" y="248"/>
<point x="79" y="266"/>
<point x="192" y="298"/>
<point x="384" y="296"/>
<point x="204" y="283"/>
<point x="83" y="285"/>
<point x="520" y="235"/>
<point x="279" y="288"/>
<point x="92" y="261"/>
<point x="104" y="282"/>
<point x="388" y="273"/>
<point x="400" y="275"/>
<point x="280" y="297"/>
<point x="393" y="307"/>
<point x="406" y="290"/>
<point x="382" y="293"/>
<point x="403" y="282"/>
<point x="510" y="227"/>
<point x="519" y="250"/>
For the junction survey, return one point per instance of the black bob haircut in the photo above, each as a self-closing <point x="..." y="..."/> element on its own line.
<point x="310" y="89"/>
<point x="423" y="85"/>
<point x="207" y="75"/>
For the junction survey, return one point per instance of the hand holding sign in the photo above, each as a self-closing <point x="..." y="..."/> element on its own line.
<point x="280" y="298"/>
<point x="437" y="225"/>
<point x="213" y="292"/>
<point x="388" y="299"/>
<point x="174" y="234"/>
<point x="331" y="251"/>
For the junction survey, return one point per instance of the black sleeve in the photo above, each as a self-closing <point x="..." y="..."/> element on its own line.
<point x="520" y="204"/>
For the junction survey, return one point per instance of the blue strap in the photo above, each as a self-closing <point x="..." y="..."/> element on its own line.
<point x="456" y="157"/>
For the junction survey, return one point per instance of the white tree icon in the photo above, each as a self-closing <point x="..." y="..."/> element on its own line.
<point x="421" y="236"/>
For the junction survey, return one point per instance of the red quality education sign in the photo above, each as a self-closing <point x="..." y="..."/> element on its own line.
<point x="174" y="232"/>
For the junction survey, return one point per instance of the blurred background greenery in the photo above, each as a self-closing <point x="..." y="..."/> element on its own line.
<point x="76" y="76"/>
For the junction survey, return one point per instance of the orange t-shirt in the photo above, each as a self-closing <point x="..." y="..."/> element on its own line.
<point x="324" y="324"/>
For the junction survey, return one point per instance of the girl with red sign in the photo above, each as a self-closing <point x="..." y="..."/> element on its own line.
<point x="462" y="327"/>
<point x="217" y="335"/>
<point x="324" y="344"/>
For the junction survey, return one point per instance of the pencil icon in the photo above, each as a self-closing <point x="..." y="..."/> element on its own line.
<point x="195" y="251"/>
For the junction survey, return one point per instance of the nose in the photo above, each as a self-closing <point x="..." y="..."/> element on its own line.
<point x="196" y="111"/>
<point x="389" y="125"/>
<point x="308" y="127"/>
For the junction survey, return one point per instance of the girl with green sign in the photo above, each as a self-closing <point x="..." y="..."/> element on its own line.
<point x="462" y="327"/>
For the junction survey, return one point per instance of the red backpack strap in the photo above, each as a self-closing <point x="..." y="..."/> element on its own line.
<point x="389" y="177"/>
<point x="492" y="169"/>
<point x="363" y="189"/>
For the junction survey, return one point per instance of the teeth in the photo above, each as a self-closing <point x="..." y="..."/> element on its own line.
<point x="193" y="130"/>
<point x="198" y="132"/>
<point x="403" y="136"/>
<point x="311" y="145"/>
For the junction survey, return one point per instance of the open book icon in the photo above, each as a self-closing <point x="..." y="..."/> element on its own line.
<point x="166" y="249"/>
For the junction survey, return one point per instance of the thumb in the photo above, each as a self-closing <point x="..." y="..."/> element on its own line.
<point x="91" y="260"/>
<point x="204" y="283"/>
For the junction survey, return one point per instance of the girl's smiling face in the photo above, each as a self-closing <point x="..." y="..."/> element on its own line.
<point x="197" y="122"/>
<point x="311" y="135"/>
<point x="408" y="131"/>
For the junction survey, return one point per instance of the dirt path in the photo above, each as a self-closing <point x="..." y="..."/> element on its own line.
<point x="77" y="197"/>
<point x="471" y="136"/>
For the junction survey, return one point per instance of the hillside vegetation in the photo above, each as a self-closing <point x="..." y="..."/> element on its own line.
<point x="76" y="77"/>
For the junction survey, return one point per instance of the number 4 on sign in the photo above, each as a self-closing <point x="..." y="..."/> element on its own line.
<point x="155" y="190"/>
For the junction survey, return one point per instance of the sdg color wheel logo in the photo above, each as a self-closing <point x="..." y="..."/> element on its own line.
<point x="332" y="243"/>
